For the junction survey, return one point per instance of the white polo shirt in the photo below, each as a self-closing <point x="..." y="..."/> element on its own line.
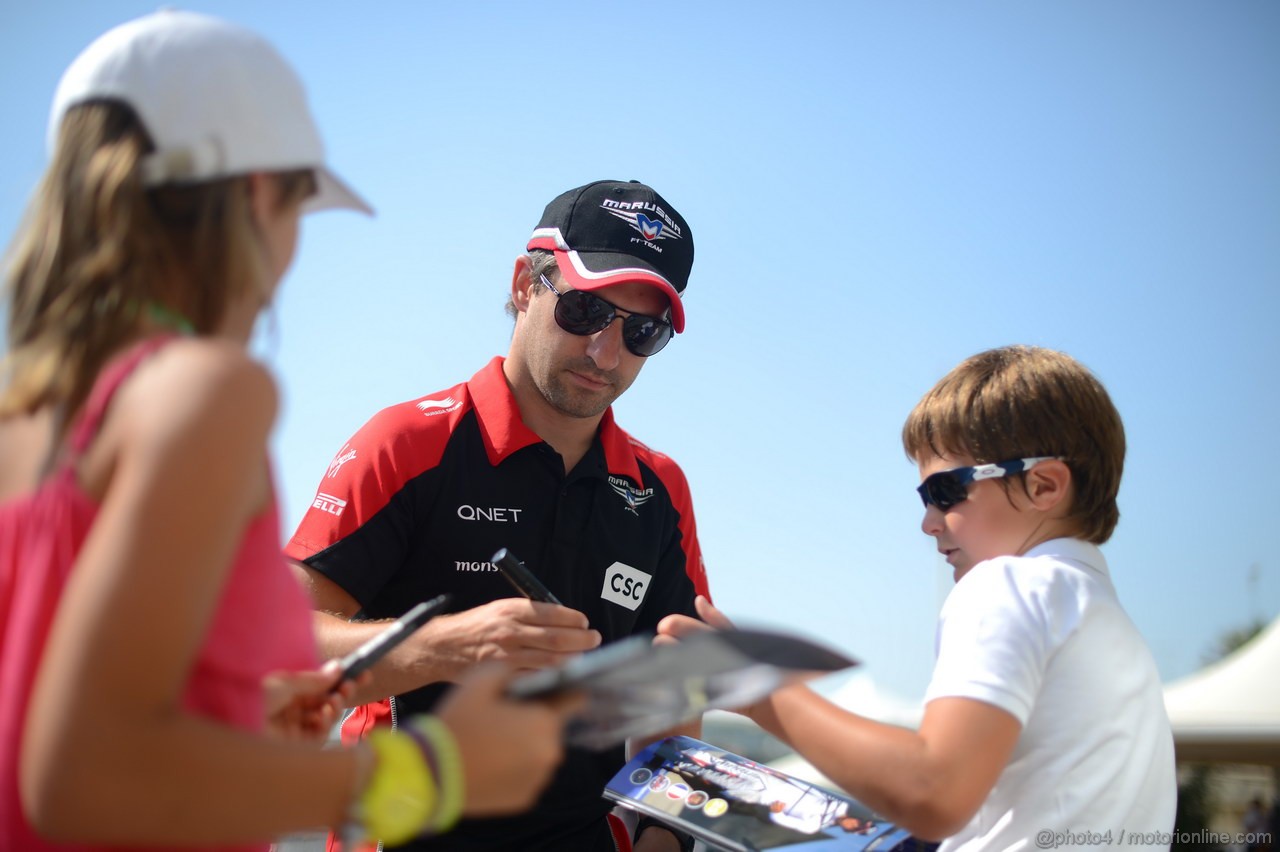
<point x="1043" y="637"/>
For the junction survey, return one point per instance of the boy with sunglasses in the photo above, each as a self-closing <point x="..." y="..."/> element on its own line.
<point x="525" y="456"/>
<point x="1044" y="723"/>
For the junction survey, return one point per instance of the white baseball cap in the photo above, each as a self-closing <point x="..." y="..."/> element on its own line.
<point x="217" y="99"/>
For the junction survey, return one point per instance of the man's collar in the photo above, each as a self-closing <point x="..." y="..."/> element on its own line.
<point x="618" y="454"/>
<point x="499" y="417"/>
<point x="504" y="432"/>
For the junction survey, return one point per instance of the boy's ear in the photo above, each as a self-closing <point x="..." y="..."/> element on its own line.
<point x="1049" y="484"/>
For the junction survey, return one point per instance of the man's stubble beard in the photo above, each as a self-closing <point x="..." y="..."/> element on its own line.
<point x="576" y="402"/>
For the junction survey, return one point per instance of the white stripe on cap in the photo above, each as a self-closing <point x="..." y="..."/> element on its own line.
<point x="540" y="234"/>
<point x="550" y="239"/>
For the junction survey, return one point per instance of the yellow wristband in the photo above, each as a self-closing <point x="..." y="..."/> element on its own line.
<point x="401" y="796"/>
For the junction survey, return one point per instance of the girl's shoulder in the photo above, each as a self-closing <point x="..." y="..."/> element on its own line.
<point x="203" y="371"/>
<point x="196" y="390"/>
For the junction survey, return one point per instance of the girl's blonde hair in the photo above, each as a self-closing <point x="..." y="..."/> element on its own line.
<point x="99" y="252"/>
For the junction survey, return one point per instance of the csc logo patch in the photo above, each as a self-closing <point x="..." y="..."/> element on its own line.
<point x="625" y="586"/>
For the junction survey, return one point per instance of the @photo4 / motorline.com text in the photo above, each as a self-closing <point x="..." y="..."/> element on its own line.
<point x="1047" y="839"/>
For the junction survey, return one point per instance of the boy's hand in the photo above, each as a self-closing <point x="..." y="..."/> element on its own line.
<point x="655" y="839"/>
<point x="675" y="627"/>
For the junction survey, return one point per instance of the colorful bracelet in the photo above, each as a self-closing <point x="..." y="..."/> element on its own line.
<point x="448" y="770"/>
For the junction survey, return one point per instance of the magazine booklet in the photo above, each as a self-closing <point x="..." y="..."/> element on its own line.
<point x="635" y="688"/>
<point x="736" y="804"/>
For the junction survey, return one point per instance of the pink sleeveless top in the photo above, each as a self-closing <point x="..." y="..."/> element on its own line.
<point x="262" y="623"/>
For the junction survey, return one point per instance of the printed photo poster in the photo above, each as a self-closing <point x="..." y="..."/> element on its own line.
<point x="733" y="803"/>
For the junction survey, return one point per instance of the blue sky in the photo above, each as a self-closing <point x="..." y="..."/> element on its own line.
<point x="876" y="191"/>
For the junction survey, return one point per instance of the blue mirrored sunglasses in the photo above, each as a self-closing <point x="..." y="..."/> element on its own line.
<point x="946" y="488"/>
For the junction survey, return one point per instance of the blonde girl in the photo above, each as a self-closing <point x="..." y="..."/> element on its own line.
<point x="158" y="674"/>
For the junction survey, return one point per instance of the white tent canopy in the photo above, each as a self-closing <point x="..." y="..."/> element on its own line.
<point x="1230" y="711"/>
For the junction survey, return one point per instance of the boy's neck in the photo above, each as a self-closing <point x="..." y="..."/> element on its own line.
<point x="1047" y="530"/>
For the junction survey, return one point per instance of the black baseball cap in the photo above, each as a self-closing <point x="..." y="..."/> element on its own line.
<point x="610" y="232"/>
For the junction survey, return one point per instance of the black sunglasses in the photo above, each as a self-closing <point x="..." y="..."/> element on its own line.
<point x="582" y="313"/>
<point x="946" y="488"/>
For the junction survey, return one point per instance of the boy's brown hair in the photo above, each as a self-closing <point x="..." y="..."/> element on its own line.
<point x="1022" y="401"/>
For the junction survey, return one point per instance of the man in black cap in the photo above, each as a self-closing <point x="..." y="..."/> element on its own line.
<point x="524" y="456"/>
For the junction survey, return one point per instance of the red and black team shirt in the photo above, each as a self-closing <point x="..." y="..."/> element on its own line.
<point x="418" y="501"/>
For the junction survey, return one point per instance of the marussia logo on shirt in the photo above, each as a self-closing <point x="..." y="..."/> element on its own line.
<point x="632" y="496"/>
<point x="344" y="455"/>
<point x="432" y="407"/>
